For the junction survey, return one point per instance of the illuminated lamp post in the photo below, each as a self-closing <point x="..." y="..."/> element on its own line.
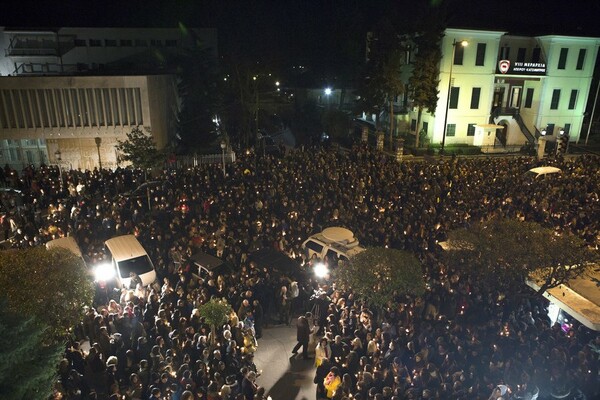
<point x="328" y="92"/>
<point x="98" y="141"/>
<point x="463" y="43"/>
<point x="58" y="156"/>
<point x="223" y="146"/>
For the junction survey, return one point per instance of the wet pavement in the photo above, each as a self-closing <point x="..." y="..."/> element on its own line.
<point x="285" y="376"/>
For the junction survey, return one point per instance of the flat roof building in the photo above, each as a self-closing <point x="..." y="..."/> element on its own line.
<point x="67" y="95"/>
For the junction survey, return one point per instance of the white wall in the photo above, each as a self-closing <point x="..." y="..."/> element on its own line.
<point x="466" y="77"/>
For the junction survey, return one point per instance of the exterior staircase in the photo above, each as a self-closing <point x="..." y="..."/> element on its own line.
<point x="514" y="113"/>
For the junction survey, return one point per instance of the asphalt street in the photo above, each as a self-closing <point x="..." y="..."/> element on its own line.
<point x="285" y="376"/>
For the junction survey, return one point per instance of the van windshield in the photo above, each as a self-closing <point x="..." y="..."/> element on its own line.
<point x="139" y="265"/>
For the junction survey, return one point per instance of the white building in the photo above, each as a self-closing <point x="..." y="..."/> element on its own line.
<point x="67" y="96"/>
<point x="520" y="85"/>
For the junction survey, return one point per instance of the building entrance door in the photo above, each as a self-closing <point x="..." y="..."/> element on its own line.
<point x="515" y="96"/>
<point x="498" y="97"/>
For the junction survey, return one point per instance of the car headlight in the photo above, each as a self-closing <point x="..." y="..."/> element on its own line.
<point x="104" y="272"/>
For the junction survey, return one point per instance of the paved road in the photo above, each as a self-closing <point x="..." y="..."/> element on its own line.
<point x="284" y="376"/>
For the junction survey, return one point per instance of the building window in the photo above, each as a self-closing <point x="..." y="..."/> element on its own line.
<point x="413" y="125"/>
<point x="454" y="97"/>
<point x="581" y="59"/>
<point x="550" y="129"/>
<point x="505" y="53"/>
<point x="521" y="54"/>
<point x="528" y="98"/>
<point x="567" y="129"/>
<point x="141" y="43"/>
<point x="35" y="112"/>
<point x="562" y="59"/>
<point x="107" y="99"/>
<point x="535" y="55"/>
<point x="459" y="52"/>
<point x="114" y="101"/>
<point x="16" y="100"/>
<point x="110" y="42"/>
<point x="156" y="42"/>
<point x="555" y="99"/>
<point x="80" y="43"/>
<point x="126" y="43"/>
<point x="95" y="43"/>
<point x="475" y="93"/>
<point x="480" y="58"/>
<point x="138" y="106"/>
<point x="171" y="43"/>
<point x="450" y="130"/>
<point x="123" y="108"/>
<point x="471" y="130"/>
<point x="573" y="99"/>
<point x="425" y="128"/>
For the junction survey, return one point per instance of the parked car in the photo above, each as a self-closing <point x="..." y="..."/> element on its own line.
<point x="334" y="244"/>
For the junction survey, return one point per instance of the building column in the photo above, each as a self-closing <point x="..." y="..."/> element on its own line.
<point x="364" y="135"/>
<point x="399" y="149"/>
<point x="541" y="148"/>
<point x="379" y="140"/>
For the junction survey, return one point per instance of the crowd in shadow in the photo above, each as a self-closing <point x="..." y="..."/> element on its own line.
<point x="459" y="341"/>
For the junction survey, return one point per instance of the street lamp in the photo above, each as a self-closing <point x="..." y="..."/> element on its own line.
<point x="98" y="141"/>
<point x="328" y="92"/>
<point x="463" y="43"/>
<point x="223" y="146"/>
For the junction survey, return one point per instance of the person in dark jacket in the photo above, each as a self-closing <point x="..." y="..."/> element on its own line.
<point x="249" y="387"/>
<point x="303" y="332"/>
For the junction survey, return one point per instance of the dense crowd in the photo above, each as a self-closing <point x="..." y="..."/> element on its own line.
<point x="459" y="341"/>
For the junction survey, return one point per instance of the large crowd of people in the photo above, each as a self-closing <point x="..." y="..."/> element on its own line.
<point x="459" y="341"/>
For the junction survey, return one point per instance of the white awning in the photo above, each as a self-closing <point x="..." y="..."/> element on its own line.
<point x="580" y="298"/>
<point x="489" y="127"/>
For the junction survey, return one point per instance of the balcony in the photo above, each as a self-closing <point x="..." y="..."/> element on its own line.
<point x="36" y="46"/>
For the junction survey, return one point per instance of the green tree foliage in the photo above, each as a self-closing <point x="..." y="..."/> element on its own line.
<point x="505" y="252"/>
<point x="215" y="312"/>
<point x="306" y="122"/>
<point x="140" y="149"/>
<point x="51" y="285"/>
<point x="27" y="362"/>
<point x="242" y="96"/>
<point x="424" y="80"/>
<point x="200" y="95"/>
<point x="378" y="275"/>
<point x="391" y="75"/>
<point x="372" y="90"/>
<point x="336" y="123"/>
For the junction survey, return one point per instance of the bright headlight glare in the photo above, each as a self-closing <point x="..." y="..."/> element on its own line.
<point x="104" y="272"/>
<point x="320" y="270"/>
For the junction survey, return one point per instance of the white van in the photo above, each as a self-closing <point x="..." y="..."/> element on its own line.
<point x="129" y="256"/>
<point x="67" y="242"/>
<point x="333" y="243"/>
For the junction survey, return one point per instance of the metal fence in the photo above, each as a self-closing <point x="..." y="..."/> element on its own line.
<point x="204" y="159"/>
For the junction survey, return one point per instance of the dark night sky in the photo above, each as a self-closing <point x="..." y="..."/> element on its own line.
<point x="294" y="31"/>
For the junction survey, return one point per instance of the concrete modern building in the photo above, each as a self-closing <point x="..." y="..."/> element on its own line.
<point x="68" y="95"/>
<point x="501" y="91"/>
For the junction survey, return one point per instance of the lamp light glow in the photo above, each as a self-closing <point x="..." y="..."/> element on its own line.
<point x="320" y="270"/>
